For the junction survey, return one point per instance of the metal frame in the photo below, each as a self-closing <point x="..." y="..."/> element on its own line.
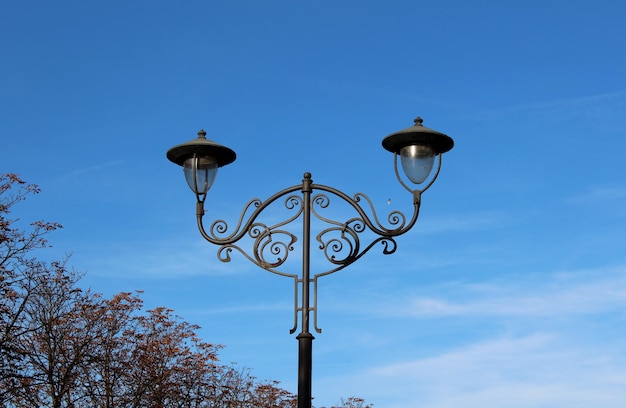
<point x="340" y="242"/>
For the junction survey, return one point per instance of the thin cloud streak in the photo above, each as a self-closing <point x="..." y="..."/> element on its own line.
<point x="575" y="293"/>
<point x="92" y="169"/>
<point x="582" y="298"/>
<point x="246" y="308"/>
<point x="601" y="195"/>
<point x="467" y="222"/>
<point x="598" y="108"/>
<point x="163" y="260"/>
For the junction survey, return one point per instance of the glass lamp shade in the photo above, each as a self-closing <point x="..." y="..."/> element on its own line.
<point x="417" y="162"/>
<point x="200" y="173"/>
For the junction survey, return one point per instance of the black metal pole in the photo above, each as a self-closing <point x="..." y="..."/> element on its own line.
<point x="305" y="365"/>
<point x="305" y="338"/>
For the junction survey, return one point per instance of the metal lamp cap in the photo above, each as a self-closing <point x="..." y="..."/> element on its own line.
<point x="201" y="146"/>
<point x="418" y="135"/>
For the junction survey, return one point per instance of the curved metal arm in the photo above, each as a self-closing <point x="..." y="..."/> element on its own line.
<point x="274" y="241"/>
<point x="220" y="227"/>
<point x="339" y="241"/>
<point x="396" y="218"/>
<point x="268" y="252"/>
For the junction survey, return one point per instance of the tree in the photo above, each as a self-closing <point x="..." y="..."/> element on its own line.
<point x="18" y="271"/>
<point x="63" y="327"/>
<point x="104" y="378"/>
<point x="173" y="367"/>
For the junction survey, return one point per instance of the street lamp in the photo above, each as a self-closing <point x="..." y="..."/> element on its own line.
<point x="417" y="146"/>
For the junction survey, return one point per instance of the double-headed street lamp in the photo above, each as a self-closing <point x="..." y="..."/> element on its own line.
<point x="417" y="146"/>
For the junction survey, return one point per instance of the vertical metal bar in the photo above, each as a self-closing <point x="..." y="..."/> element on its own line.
<point x="305" y="338"/>
<point x="296" y="309"/>
<point x="314" y="308"/>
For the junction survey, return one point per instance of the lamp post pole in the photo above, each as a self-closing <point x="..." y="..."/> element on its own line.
<point x="305" y="338"/>
<point x="416" y="146"/>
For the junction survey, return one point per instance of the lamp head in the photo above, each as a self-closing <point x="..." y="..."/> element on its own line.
<point x="200" y="159"/>
<point x="417" y="147"/>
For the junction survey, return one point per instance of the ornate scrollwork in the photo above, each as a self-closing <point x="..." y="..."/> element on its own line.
<point x="270" y="248"/>
<point x="340" y="249"/>
<point x="271" y="243"/>
<point x="396" y="218"/>
<point x="341" y="243"/>
<point x="219" y="228"/>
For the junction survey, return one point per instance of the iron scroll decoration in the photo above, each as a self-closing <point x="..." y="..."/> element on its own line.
<point x="339" y="241"/>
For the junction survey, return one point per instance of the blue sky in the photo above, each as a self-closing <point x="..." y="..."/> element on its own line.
<point x="511" y="289"/>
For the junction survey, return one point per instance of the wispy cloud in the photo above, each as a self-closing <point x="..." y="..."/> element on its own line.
<point x="467" y="222"/>
<point x="158" y="260"/>
<point x="580" y="293"/>
<point x="246" y="308"/>
<point x="605" y="109"/>
<point x="566" y="298"/>
<point x="530" y="371"/>
<point x="570" y="294"/>
<point x="603" y="194"/>
<point x="96" y="168"/>
<point x="536" y="353"/>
